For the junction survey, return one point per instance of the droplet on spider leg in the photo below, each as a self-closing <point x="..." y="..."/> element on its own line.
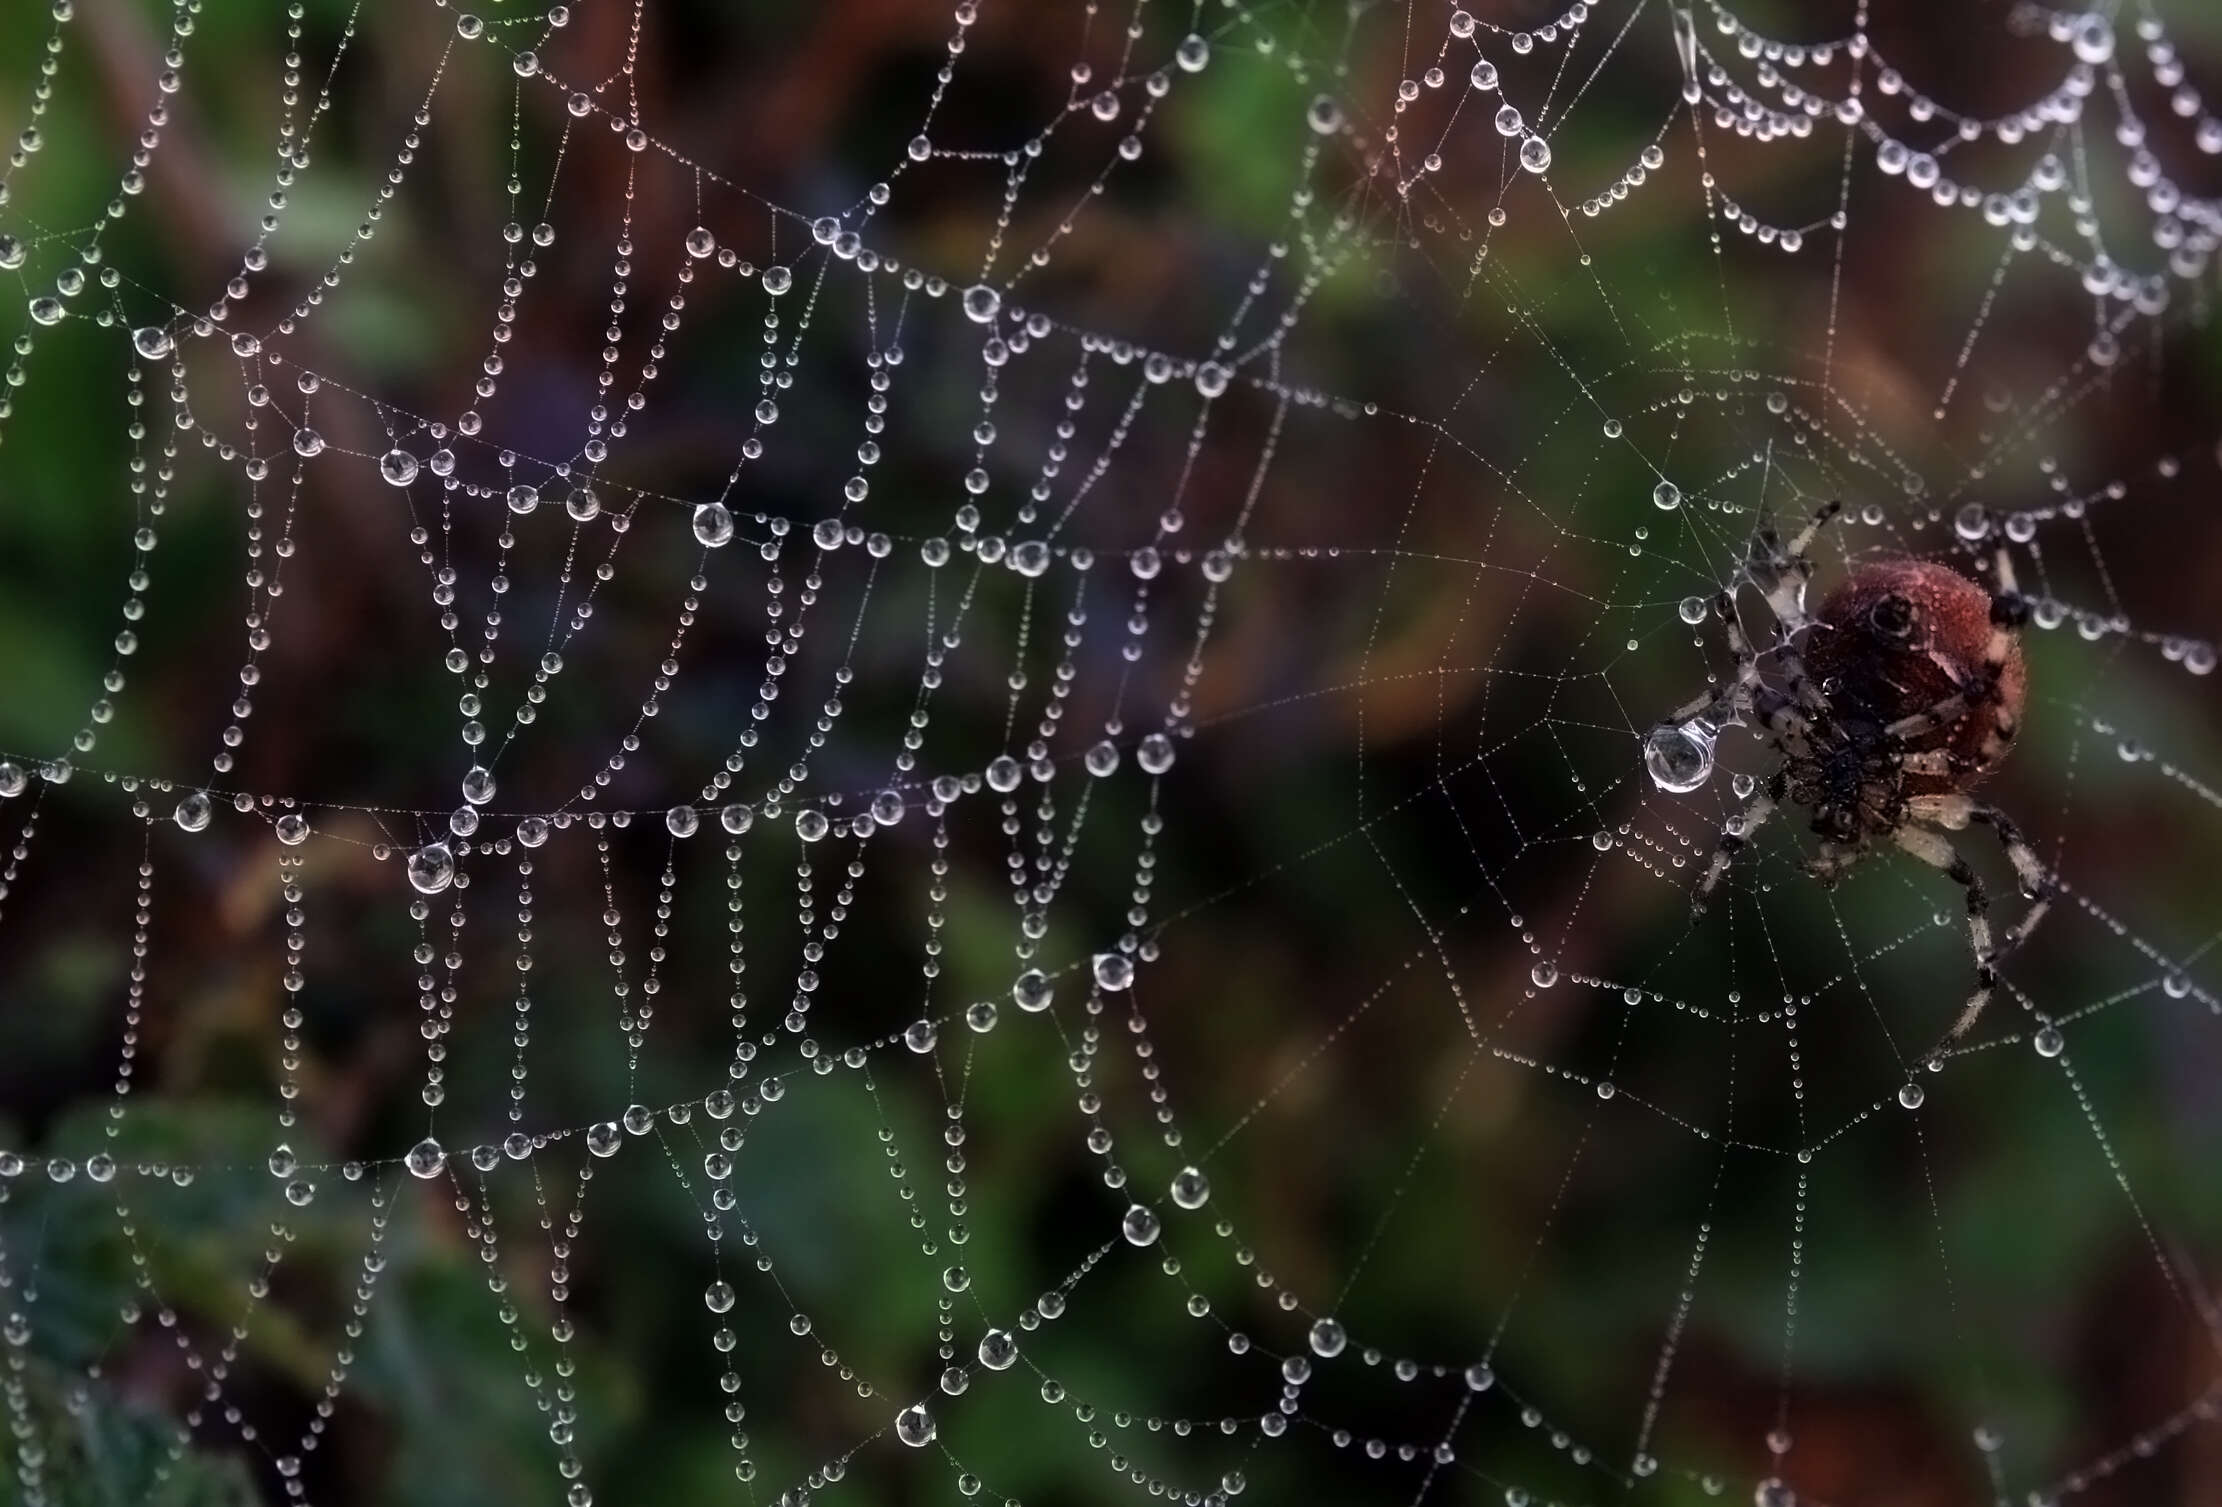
<point x="1679" y="755"/>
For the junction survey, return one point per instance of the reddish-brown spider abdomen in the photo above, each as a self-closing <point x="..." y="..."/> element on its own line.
<point x="1896" y="639"/>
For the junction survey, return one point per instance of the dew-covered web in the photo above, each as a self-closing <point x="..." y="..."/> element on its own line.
<point x="901" y="754"/>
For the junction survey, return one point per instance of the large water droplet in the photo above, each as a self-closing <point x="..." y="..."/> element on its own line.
<point x="1139" y="1226"/>
<point x="193" y="812"/>
<point x="1033" y="991"/>
<point x="713" y="525"/>
<point x="981" y="303"/>
<point x="1191" y="1189"/>
<point x="998" y="1350"/>
<point x="431" y="868"/>
<point x="1113" y="970"/>
<point x="1679" y="756"/>
<point x="915" y="1426"/>
<point x="428" y="1158"/>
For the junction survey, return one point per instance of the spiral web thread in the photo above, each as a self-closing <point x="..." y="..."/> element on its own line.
<point x="1117" y="512"/>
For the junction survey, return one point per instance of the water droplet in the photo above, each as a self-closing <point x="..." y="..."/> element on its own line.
<point x="1691" y="610"/>
<point x="1911" y="1095"/>
<point x="604" y="1138"/>
<point x="1102" y="758"/>
<point x="1680" y="756"/>
<point x="1325" y="115"/>
<point x="998" y="1350"/>
<point x="920" y="1036"/>
<point x="737" y="818"/>
<point x="1211" y="379"/>
<point x="680" y="821"/>
<point x="982" y="303"/>
<point x="1032" y="992"/>
<point x="1139" y="1226"/>
<point x="1535" y="154"/>
<point x="478" y="785"/>
<point x="700" y="243"/>
<point x="1483" y="76"/>
<point x="2049" y="1042"/>
<point x="523" y="499"/>
<point x="1666" y="495"/>
<point x="1192" y="53"/>
<point x="811" y="824"/>
<point x="13" y="779"/>
<point x="428" y="1158"/>
<point x="2094" y="39"/>
<point x="1113" y="970"/>
<point x="1155" y="754"/>
<point x="1191" y="1189"/>
<point x="397" y="468"/>
<point x="292" y="829"/>
<point x="1327" y="1338"/>
<point x="888" y="807"/>
<point x="532" y="831"/>
<point x="151" y="342"/>
<point x="307" y="442"/>
<point x="194" y="811"/>
<point x="1544" y="973"/>
<point x="915" y="1426"/>
<point x="1479" y="1378"/>
<point x="431" y="868"/>
<point x="713" y="525"/>
<point x="47" y="310"/>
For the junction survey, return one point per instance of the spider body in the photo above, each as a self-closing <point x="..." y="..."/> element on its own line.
<point x="1883" y="711"/>
<point x="1901" y="636"/>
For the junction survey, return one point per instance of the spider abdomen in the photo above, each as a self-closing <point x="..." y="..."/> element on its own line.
<point x="1902" y="637"/>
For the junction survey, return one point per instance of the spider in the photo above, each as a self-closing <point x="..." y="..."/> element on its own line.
<point x="1901" y="694"/>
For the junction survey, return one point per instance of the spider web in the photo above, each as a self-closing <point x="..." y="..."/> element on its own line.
<point x="925" y="771"/>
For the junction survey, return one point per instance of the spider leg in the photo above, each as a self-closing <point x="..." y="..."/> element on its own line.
<point x="1787" y="725"/>
<point x="1829" y="864"/>
<point x="1936" y="850"/>
<point x="2009" y="610"/>
<point x="1735" y="697"/>
<point x="1736" y="835"/>
<point x="1945" y="713"/>
<point x="1802" y="541"/>
<point x="1790" y="569"/>
<point x="2037" y="882"/>
<point x="1937" y="761"/>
